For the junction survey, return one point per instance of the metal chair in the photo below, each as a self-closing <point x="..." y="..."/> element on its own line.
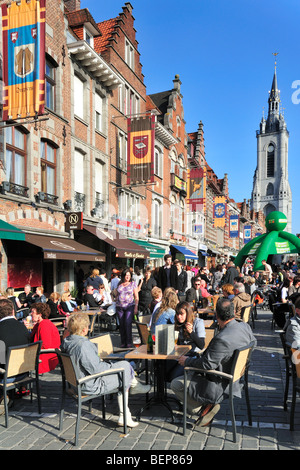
<point x="247" y="312"/>
<point x="288" y="367"/>
<point x="21" y="362"/>
<point x="70" y="375"/>
<point x="295" y="368"/>
<point x="239" y="369"/>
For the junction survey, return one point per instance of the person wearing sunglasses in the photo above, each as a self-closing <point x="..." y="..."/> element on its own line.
<point x="194" y="295"/>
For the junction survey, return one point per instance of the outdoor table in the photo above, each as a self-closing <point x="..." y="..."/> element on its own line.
<point x="160" y="396"/>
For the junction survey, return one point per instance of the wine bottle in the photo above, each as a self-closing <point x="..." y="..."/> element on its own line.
<point x="150" y="343"/>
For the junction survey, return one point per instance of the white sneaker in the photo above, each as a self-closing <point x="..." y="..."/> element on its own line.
<point x="138" y="387"/>
<point x="130" y="422"/>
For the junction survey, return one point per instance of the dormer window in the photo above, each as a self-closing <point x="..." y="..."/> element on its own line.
<point x="88" y="37"/>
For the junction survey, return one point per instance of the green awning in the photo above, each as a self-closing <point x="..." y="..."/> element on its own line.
<point x="154" y="250"/>
<point x="10" y="232"/>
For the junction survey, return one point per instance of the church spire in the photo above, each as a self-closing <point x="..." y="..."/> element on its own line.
<point x="274" y="103"/>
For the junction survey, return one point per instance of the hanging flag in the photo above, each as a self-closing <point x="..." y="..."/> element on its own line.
<point x="196" y="189"/>
<point x="247" y="233"/>
<point x="219" y="211"/>
<point x="23" y="38"/>
<point x="140" y="150"/>
<point x="234" y="226"/>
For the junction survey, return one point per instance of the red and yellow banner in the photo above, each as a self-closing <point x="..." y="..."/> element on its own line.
<point x="196" y="189"/>
<point x="140" y="150"/>
<point x="23" y="37"/>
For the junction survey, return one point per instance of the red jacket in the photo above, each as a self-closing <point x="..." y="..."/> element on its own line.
<point x="46" y="332"/>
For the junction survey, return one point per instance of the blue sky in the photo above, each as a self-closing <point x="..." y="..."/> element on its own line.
<point x="222" y="51"/>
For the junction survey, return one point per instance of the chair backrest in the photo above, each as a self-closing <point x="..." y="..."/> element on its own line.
<point x="209" y="334"/>
<point x="241" y="361"/>
<point x="22" y="359"/>
<point x="145" y="318"/>
<point x="59" y="321"/>
<point x="245" y="313"/>
<point x="143" y="332"/>
<point x="215" y="300"/>
<point x="69" y="370"/>
<point x="104" y="344"/>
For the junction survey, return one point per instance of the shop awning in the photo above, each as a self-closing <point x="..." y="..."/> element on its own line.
<point x="125" y="248"/>
<point x="155" y="251"/>
<point x="10" y="232"/>
<point x="64" y="248"/>
<point x="203" y="253"/>
<point x="188" y="254"/>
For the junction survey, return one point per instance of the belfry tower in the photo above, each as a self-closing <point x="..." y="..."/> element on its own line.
<point x="271" y="189"/>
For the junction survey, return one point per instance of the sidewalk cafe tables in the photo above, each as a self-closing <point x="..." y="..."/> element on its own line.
<point x="160" y="396"/>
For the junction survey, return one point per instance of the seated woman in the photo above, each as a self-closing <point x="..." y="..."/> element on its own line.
<point x="44" y="330"/>
<point x="166" y="313"/>
<point x="191" y="332"/>
<point x="53" y="303"/>
<point x="86" y="356"/>
<point x="67" y="304"/>
<point x="227" y="290"/>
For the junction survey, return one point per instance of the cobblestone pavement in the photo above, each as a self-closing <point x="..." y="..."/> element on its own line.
<point x="270" y="430"/>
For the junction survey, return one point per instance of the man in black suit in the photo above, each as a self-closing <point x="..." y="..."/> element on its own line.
<point x="194" y="293"/>
<point x="167" y="274"/>
<point x="89" y="298"/>
<point x="12" y="333"/>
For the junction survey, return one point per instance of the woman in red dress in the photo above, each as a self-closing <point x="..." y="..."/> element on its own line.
<point x="44" y="330"/>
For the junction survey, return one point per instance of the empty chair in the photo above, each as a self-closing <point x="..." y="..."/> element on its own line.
<point x="22" y="364"/>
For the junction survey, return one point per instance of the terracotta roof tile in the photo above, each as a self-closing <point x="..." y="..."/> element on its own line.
<point x="106" y="28"/>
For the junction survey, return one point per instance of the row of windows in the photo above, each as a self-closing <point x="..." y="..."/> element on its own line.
<point x="16" y="164"/>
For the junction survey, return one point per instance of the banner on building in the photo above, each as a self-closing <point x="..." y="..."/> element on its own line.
<point x="140" y="150"/>
<point x="23" y="38"/>
<point x="196" y="189"/>
<point x="247" y="233"/>
<point x="234" y="226"/>
<point x="219" y="211"/>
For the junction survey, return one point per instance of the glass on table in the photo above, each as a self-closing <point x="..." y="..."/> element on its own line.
<point x="136" y="340"/>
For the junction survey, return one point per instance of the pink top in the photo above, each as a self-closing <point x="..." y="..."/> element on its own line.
<point x="125" y="297"/>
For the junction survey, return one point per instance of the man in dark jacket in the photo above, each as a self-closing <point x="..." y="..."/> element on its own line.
<point x="181" y="279"/>
<point x="194" y="293"/>
<point x="207" y="394"/>
<point x="230" y="274"/>
<point x="12" y="333"/>
<point x="88" y="298"/>
<point x="167" y="274"/>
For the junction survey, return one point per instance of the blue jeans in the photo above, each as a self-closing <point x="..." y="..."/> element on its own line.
<point x="125" y="315"/>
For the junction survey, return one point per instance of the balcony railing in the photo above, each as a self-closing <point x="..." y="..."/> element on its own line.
<point x="98" y="210"/>
<point x="17" y="189"/>
<point x="79" y="202"/>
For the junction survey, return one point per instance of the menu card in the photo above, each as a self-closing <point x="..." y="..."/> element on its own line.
<point x="164" y="339"/>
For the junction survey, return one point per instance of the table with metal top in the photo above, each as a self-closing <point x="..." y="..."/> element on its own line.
<point x="160" y="394"/>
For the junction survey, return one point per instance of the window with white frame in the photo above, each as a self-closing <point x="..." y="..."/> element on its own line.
<point x="99" y="112"/>
<point x="16" y="155"/>
<point x="157" y="218"/>
<point x="78" y="97"/>
<point x="88" y="37"/>
<point x="158" y="162"/>
<point x="122" y="151"/>
<point x="78" y="172"/>
<point x="50" y="79"/>
<point x="129" y="208"/>
<point x="129" y="54"/>
<point x="172" y="214"/>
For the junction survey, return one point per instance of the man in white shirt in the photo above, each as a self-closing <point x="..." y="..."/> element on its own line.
<point x="268" y="269"/>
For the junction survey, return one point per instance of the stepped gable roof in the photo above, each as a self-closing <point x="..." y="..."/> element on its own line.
<point x="107" y="29"/>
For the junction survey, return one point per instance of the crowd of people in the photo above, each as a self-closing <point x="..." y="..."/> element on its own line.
<point x="169" y="294"/>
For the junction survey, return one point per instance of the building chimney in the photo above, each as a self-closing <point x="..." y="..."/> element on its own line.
<point x="72" y="5"/>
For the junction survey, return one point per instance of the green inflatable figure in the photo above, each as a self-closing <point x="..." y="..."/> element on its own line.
<point x="274" y="242"/>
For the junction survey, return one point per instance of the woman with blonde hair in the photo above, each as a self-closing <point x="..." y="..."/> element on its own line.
<point x="94" y="280"/>
<point x="67" y="304"/>
<point x="166" y="312"/>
